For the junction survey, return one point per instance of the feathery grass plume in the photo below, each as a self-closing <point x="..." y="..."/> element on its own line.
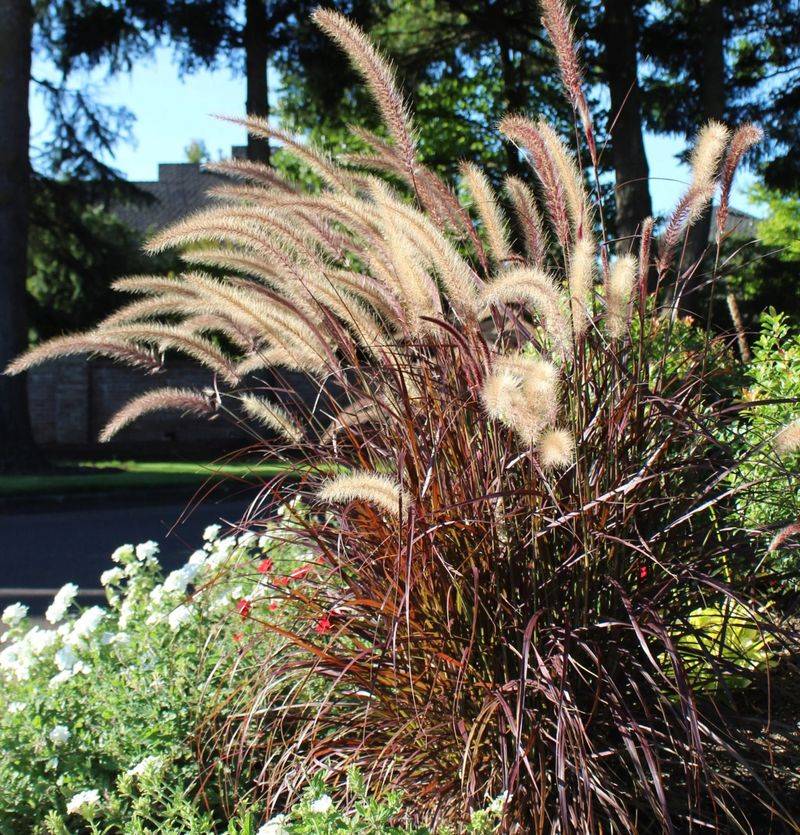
<point x="705" y="160"/>
<point x="379" y="77"/>
<point x="739" y="327"/>
<point x="150" y="306"/>
<point x="744" y="138"/>
<point x="91" y="344"/>
<point x="290" y="356"/>
<point x="567" y="169"/>
<point x="559" y="27"/>
<point x="366" y="287"/>
<point x="526" y="135"/>
<point x="707" y="153"/>
<point x="272" y="416"/>
<point x="581" y="281"/>
<point x="182" y="400"/>
<point x="529" y="220"/>
<point x="373" y="488"/>
<point x="353" y="417"/>
<point x="537" y="289"/>
<point x="235" y="261"/>
<point x="255" y="172"/>
<point x="619" y="287"/>
<point x="169" y="336"/>
<point x="501" y="394"/>
<point x="318" y="161"/>
<point x="787" y="441"/>
<point x="246" y="339"/>
<point x="418" y="293"/>
<point x="458" y="278"/>
<point x="485" y="203"/>
<point x="150" y="285"/>
<point x="436" y="197"/>
<point x="521" y="393"/>
<point x="556" y="449"/>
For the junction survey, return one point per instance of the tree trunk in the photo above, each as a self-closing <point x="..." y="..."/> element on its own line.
<point x="17" y="449"/>
<point x="632" y="191"/>
<point x="712" y="94"/>
<point x="256" y="50"/>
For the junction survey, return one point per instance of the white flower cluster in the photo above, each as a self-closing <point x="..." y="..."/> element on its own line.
<point x="138" y="602"/>
<point x="84" y="803"/>
<point x="274" y="826"/>
<point x="61" y="602"/>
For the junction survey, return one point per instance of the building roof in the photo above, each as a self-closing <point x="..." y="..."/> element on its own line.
<point x="738" y="223"/>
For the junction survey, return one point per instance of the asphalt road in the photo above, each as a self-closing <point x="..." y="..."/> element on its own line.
<point x="42" y="550"/>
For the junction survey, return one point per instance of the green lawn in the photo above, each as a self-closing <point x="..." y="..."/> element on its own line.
<point x="97" y="476"/>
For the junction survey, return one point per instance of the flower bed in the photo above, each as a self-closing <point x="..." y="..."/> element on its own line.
<point x="100" y="707"/>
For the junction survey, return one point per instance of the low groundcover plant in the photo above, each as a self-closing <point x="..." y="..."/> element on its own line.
<point x="515" y="512"/>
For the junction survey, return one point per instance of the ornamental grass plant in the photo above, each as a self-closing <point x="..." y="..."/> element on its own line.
<point x="517" y="496"/>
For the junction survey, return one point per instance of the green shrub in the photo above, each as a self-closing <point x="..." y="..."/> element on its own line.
<point x="107" y="699"/>
<point x="768" y="482"/>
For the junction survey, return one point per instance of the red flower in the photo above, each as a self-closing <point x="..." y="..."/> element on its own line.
<point x="265" y="566"/>
<point x="281" y="581"/>
<point x="237" y="636"/>
<point x="643" y="572"/>
<point x="273" y="606"/>
<point x="243" y="607"/>
<point x="323" y="625"/>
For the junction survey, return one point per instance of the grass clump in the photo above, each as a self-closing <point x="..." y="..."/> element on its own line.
<point x="514" y="505"/>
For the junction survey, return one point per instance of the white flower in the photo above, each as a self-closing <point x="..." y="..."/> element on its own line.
<point x="178" y="580"/>
<point x="84" y="803"/>
<point x="177" y="617"/>
<point x="246" y="538"/>
<point x="16" y="707"/>
<point x="322" y="805"/>
<point x="123" y="553"/>
<point x="60" y="678"/>
<point x="198" y="558"/>
<point x="146" y="550"/>
<point x="86" y="624"/>
<point x="65" y="658"/>
<point x="264" y="542"/>
<point x="112" y="575"/>
<point x="498" y="804"/>
<point x="39" y="640"/>
<point x="148" y="765"/>
<point x="14" y="614"/>
<point x="126" y="611"/>
<point x="211" y="532"/>
<point x="14" y="661"/>
<point x="121" y="638"/>
<point x="274" y="826"/>
<point x="59" y="735"/>
<point x="157" y="594"/>
<point x="61" y="602"/>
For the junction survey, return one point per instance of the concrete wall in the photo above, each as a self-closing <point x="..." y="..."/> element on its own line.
<point x="70" y="401"/>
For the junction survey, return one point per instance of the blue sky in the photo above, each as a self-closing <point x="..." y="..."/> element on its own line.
<point x="170" y="112"/>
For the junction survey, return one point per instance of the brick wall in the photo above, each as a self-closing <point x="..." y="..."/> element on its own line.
<point x="70" y="400"/>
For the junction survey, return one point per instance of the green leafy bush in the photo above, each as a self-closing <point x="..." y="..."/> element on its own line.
<point x="107" y="699"/>
<point x="768" y="482"/>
